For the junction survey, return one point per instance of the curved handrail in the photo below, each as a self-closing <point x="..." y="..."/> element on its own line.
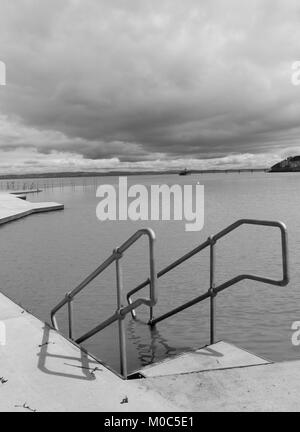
<point x="122" y="311"/>
<point x="211" y="241"/>
<point x="117" y="253"/>
<point x="284" y="245"/>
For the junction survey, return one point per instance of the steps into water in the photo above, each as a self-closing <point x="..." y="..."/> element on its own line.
<point x="221" y="355"/>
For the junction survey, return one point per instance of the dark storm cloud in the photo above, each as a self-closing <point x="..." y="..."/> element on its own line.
<point x="149" y="80"/>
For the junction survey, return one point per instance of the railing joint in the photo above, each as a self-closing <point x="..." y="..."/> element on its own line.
<point x="212" y="241"/>
<point x="117" y="254"/>
<point x="212" y="292"/>
<point x="120" y="314"/>
<point x="150" y="322"/>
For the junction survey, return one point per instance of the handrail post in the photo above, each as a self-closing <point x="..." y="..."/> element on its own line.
<point x="211" y="290"/>
<point x="121" y="324"/>
<point x="152" y="277"/>
<point x="70" y="315"/>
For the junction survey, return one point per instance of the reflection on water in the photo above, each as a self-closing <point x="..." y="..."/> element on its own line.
<point x="152" y="348"/>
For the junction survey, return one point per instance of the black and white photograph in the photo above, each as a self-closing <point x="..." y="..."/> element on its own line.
<point x="149" y="209"/>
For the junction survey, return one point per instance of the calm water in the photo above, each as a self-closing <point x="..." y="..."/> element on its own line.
<point x="44" y="256"/>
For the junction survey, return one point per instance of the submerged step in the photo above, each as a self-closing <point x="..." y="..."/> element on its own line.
<point x="221" y="355"/>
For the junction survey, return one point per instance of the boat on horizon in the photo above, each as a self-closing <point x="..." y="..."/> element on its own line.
<point x="185" y="172"/>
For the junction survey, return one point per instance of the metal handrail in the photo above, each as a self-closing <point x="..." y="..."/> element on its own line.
<point x="213" y="290"/>
<point x="121" y="311"/>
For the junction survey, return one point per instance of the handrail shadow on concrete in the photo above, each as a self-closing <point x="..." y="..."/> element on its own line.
<point x="83" y="360"/>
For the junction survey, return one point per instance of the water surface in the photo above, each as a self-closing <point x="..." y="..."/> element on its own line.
<point x="46" y="255"/>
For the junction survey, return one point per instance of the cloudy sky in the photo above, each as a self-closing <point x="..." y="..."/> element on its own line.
<point x="148" y="84"/>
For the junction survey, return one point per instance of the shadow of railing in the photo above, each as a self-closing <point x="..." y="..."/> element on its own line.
<point x="84" y="364"/>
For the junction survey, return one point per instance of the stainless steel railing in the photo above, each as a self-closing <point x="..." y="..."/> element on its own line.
<point x="214" y="290"/>
<point x="121" y="311"/>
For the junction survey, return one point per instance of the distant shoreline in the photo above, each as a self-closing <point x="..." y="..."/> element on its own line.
<point x="123" y="173"/>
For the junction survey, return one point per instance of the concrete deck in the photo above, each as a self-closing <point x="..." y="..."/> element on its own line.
<point x="43" y="371"/>
<point x="40" y="370"/>
<point x="26" y="191"/>
<point x="269" y="387"/>
<point x="12" y="207"/>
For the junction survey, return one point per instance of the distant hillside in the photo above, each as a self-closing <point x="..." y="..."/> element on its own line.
<point x="290" y="164"/>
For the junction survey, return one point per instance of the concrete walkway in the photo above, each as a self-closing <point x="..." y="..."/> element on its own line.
<point x="269" y="387"/>
<point x="40" y="370"/>
<point x="43" y="371"/>
<point x="12" y="207"/>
